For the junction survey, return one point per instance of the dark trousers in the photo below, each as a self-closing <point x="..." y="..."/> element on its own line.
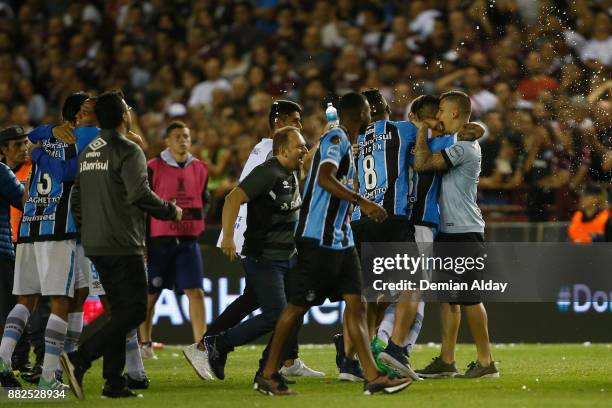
<point x="7" y="302"/>
<point x="240" y="308"/>
<point x="125" y="283"/>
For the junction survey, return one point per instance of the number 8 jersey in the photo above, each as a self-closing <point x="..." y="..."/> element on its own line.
<point x="384" y="168"/>
<point x="46" y="214"/>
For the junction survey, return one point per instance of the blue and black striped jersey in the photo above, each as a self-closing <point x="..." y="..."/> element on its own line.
<point x="384" y="166"/>
<point x="424" y="210"/>
<point x="323" y="217"/>
<point x="46" y="215"/>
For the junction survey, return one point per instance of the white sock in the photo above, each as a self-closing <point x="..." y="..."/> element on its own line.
<point x="415" y="329"/>
<point x="55" y="334"/>
<point x="15" y="323"/>
<point x="133" y="360"/>
<point x="386" y="326"/>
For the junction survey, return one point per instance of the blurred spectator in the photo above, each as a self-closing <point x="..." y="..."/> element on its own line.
<point x="589" y="223"/>
<point x="217" y="65"/>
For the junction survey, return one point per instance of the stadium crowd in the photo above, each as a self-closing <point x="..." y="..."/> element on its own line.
<point x="538" y="74"/>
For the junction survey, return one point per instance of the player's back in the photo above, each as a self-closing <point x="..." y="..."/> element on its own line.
<point x="46" y="213"/>
<point x="384" y="167"/>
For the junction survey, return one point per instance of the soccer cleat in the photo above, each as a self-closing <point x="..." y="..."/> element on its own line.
<point x="285" y="380"/>
<point x="340" y="355"/>
<point x="33" y="376"/>
<point x="111" y="392"/>
<point x="198" y="359"/>
<point x="299" y="369"/>
<point x="146" y="351"/>
<point x="394" y="358"/>
<point x="7" y="377"/>
<point x="350" y="371"/>
<point x="475" y="370"/>
<point x="385" y="385"/>
<point x="216" y="357"/>
<point x="137" y="384"/>
<point x="74" y="373"/>
<point x="438" y="369"/>
<point x="377" y="346"/>
<point x="273" y="386"/>
<point x="52" y="385"/>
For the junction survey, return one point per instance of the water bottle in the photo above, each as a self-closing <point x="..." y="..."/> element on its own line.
<point x="332" y="115"/>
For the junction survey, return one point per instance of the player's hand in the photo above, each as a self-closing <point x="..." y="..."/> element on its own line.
<point x="373" y="210"/>
<point x="228" y="247"/>
<point x="64" y="133"/>
<point x="471" y="131"/>
<point x="355" y="149"/>
<point x="179" y="211"/>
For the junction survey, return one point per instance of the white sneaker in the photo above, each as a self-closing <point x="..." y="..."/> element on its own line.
<point x="198" y="360"/>
<point x="299" y="369"/>
<point x="146" y="352"/>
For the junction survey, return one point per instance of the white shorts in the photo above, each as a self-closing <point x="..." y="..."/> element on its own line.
<point x="49" y="268"/>
<point x="89" y="271"/>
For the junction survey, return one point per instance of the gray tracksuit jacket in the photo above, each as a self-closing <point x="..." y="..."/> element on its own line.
<point x="111" y="195"/>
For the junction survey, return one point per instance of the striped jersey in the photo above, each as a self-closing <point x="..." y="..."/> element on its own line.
<point x="384" y="166"/>
<point x="46" y="215"/>
<point x="426" y="188"/>
<point x="325" y="218"/>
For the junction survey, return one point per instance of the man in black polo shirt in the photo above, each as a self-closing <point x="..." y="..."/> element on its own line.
<point x="273" y="196"/>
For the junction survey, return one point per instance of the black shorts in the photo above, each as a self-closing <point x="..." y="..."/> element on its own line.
<point x="323" y="273"/>
<point x="393" y="229"/>
<point x="468" y="244"/>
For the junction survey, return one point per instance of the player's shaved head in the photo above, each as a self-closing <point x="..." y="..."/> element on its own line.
<point x="425" y="106"/>
<point x="351" y="105"/>
<point x="378" y="104"/>
<point x="460" y="100"/>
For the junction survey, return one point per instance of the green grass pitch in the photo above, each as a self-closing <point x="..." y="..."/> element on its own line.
<point x="566" y="375"/>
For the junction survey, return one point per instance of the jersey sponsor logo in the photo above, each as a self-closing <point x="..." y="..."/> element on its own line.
<point x="92" y="154"/>
<point x="43" y="201"/>
<point x="34" y="218"/>
<point x="97" y="144"/>
<point x="333" y="152"/>
<point x="456" y="151"/>
<point x="93" y="166"/>
<point x="291" y="205"/>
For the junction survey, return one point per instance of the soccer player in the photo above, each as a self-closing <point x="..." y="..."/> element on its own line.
<point x="460" y="222"/>
<point x="272" y="192"/>
<point x="174" y="258"/>
<point x="45" y="259"/>
<point x="328" y="265"/>
<point x="282" y="113"/>
<point x="109" y="200"/>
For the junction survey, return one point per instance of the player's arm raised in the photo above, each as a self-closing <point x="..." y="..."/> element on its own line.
<point x="327" y="179"/>
<point x="424" y="159"/>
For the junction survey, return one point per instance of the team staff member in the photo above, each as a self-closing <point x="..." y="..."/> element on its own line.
<point x="272" y="192"/>
<point x="174" y="258"/>
<point x="14" y="147"/>
<point x="282" y="113"/>
<point x="11" y="193"/>
<point x="460" y="222"/>
<point x="109" y="200"/>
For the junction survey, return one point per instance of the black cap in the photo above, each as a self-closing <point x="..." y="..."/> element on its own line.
<point x="12" y="133"/>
